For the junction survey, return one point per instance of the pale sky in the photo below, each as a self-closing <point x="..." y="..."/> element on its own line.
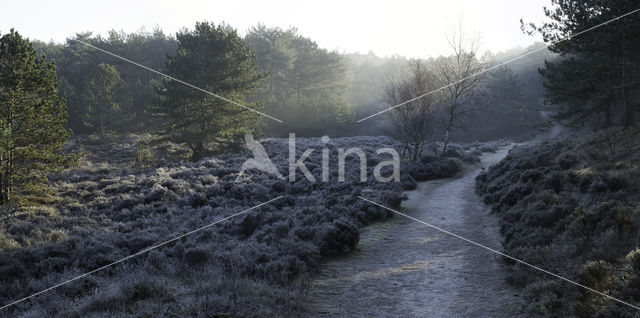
<point x="409" y="28"/>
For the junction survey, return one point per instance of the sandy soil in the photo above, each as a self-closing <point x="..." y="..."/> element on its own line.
<point x="405" y="269"/>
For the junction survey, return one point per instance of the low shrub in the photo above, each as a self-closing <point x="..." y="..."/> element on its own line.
<point x="250" y="264"/>
<point x="566" y="210"/>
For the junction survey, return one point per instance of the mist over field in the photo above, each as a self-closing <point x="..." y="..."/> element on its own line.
<point x="281" y="166"/>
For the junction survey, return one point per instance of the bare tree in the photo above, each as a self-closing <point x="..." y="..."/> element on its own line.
<point x="413" y="122"/>
<point x="460" y="73"/>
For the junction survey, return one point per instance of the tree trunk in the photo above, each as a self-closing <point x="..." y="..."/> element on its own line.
<point x="447" y="134"/>
<point x="101" y="124"/>
<point x="139" y="117"/>
<point x="7" y="161"/>
<point x="628" y="111"/>
<point x="5" y="178"/>
<point x="3" y="199"/>
<point x="198" y="151"/>
<point x="446" y="141"/>
<point x="9" y="177"/>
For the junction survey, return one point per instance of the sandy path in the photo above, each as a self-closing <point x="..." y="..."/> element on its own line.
<point x="405" y="269"/>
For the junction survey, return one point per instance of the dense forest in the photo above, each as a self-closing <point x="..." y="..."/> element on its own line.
<point x="313" y="90"/>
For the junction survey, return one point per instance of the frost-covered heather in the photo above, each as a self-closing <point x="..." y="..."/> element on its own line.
<point x="252" y="265"/>
<point x="571" y="206"/>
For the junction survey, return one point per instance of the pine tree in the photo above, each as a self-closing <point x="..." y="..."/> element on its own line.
<point x="217" y="60"/>
<point x="600" y="66"/>
<point x="74" y="66"/>
<point x="276" y="57"/>
<point x="306" y="85"/>
<point x="32" y="119"/>
<point x="101" y="94"/>
<point x="78" y="63"/>
<point x="138" y="89"/>
<point x="506" y="111"/>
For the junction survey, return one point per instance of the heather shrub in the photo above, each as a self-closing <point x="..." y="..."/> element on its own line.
<point x="338" y="238"/>
<point x="596" y="275"/>
<point x="254" y="265"/>
<point x="196" y="256"/>
<point x="488" y="148"/>
<point x="429" y="168"/>
<point x="250" y="266"/>
<point x="634" y="260"/>
<point x="566" y="207"/>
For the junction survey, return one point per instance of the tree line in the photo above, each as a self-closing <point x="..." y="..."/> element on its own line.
<point x="104" y="93"/>
<point x="49" y="90"/>
<point x="295" y="80"/>
<point x="314" y="91"/>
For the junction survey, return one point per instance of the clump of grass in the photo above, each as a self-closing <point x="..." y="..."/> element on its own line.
<point x="7" y="243"/>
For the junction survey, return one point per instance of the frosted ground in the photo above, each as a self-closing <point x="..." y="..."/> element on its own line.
<point x="254" y="265"/>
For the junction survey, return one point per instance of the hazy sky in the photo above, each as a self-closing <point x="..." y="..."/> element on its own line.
<point x="410" y="28"/>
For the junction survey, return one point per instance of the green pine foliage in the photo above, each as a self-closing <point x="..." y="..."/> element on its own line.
<point x="506" y="110"/>
<point x="306" y="85"/>
<point x="101" y="96"/>
<point x="77" y="65"/>
<point x="216" y="59"/>
<point x="32" y="119"/>
<point x="599" y="68"/>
